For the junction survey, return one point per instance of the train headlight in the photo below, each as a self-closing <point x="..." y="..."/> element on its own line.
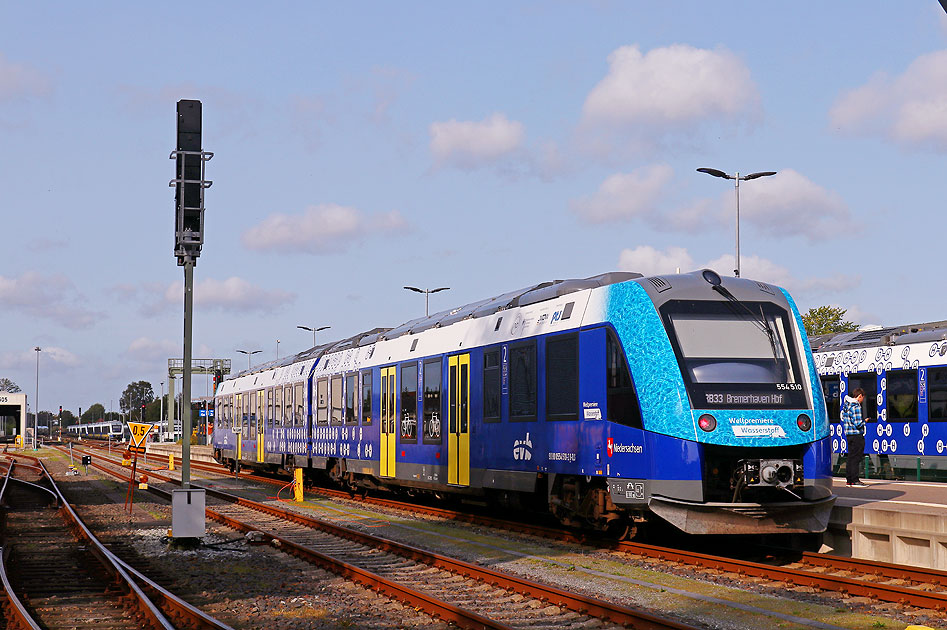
<point x="707" y="422"/>
<point x="804" y="422"/>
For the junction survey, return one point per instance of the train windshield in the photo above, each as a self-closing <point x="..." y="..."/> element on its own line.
<point x="736" y="355"/>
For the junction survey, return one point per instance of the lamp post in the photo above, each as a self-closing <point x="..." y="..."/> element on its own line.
<point x="161" y="412"/>
<point x="249" y="354"/>
<point x="737" y="178"/>
<point x="314" y="331"/>
<point x="277" y="349"/>
<point x="427" y="293"/>
<point x="36" y="402"/>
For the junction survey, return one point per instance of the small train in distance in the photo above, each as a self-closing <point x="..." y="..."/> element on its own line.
<point x="608" y="401"/>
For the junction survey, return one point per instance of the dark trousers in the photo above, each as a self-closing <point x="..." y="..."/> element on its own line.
<point x="856" y="455"/>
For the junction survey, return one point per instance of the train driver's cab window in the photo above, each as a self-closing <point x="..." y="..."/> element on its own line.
<point x="432" y="402"/>
<point x="366" y="397"/>
<point x="937" y="394"/>
<point x="322" y="402"/>
<point x="902" y="395"/>
<point x="409" y="402"/>
<point x="491" y="386"/>
<point x="351" y="399"/>
<point x="621" y="399"/>
<point x="336" y="395"/>
<point x="523" y="395"/>
<point x="869" y="383"/>
<point x="832" y="390"/>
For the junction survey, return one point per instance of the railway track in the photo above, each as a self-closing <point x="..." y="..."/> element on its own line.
<point x="915" y="586"/>
<point x="64" y="577"/>
<point x="464" y="594"/>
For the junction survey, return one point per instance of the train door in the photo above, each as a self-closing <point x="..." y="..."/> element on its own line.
<point x="252" y="419"/>
<point x="260" y="424"/>
<point x="389" y="422"/>
<point x="458" y="420"/>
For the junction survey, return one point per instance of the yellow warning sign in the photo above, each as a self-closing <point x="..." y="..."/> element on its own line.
<point x="139" y="431"/>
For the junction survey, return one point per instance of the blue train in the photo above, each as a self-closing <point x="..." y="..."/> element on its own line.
<point x="607" y="401"/>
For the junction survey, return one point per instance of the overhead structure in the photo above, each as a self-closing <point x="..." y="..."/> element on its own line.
<point x="219" y="368"/>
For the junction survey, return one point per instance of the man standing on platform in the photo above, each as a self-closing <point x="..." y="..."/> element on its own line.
<point x="854" y="436"/>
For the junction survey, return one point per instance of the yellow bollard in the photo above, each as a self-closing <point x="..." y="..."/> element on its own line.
<point x="298" y="485"/>
<point x="171" y="461"/>
<point x="918" y="628"/>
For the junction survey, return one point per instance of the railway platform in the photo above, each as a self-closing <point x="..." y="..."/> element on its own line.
<point x="163" y="449"/>
<point x="903" y="522"/>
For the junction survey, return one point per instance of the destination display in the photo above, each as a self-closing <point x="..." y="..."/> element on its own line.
<point x="725" y="396"/>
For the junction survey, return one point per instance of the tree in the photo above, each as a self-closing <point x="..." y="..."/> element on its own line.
<point x="8" y="386"/>
<point x="68" y="418"/>
<point x="94" y="413"/>
<point x="135" y="395"/>
<point x="827" y="319"/>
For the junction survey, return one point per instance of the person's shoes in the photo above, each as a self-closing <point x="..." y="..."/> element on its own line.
<point x="858" y="484"/>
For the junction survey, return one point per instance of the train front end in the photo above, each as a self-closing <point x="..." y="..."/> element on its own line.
<point x="732" y="410"/>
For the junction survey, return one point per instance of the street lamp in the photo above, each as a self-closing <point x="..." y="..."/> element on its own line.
<point x="426" y="292"/>
<point x="737" y="178"/>
<point x="36" y="402"/>
<point x="277" y="349"/>
<point x="249" y="354"/>
<point x="314" y="331"/>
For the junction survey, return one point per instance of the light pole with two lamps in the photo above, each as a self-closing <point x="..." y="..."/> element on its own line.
<point x="249" y="354"/>
<point x="314" y="331"/>
<point x="427" y="293"/>
<point x="737" y="178"/>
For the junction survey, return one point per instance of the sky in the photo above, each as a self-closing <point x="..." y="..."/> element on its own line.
<point x="363" y="146"/>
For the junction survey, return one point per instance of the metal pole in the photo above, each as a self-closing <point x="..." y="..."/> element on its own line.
<point x="161" y="412"/>
<point x="186" y="385"/>
<point x="736" y="181"/>
<point x="427" y="296"/>
<point x="36" y="402"/>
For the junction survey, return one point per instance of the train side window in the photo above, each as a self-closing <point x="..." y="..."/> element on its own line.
<point x="300" y="417"/>
<point x="523" y="382"/>
<point x="491" y="386"/>
<point x="335" y="394"/>
<point x="869" y="383"/>
<point x="902" y="395"/>
<point x="322" y="401"/>
<point x="366" y="398"/>
<point x="269" y="408"/>
<point x="409" y="402"/>
<point x="351" y="399"/>
<point x="432" y="402"/>
<point x="621" y="399"/>
<point x="937" y="394"/>
<point x="288" y="406"/>
<point x="562" y="377"/>
<point x="278" y="406"/>
<point x="832" y="390"/>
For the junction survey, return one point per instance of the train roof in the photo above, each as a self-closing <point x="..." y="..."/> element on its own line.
<point x="531" y="294"/>
<point x="880" y="336"/>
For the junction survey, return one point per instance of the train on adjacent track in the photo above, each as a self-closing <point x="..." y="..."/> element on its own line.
<point x="609" y="401"/>
<point x="903" y="371"/>
<point x="102" y="430"/>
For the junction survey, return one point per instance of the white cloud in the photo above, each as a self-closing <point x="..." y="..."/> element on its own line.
<point x="649" y="261"/>
<point x="623" y="196"/>
<point x="51" y="357"/>
<point x="910" y="109"/>
<point x="150" y="350"/>
<point x="233" y="294"/>
<point x="471" y="144"/>
<point x="669" y="87"/>
<point x="789" y="204"/>
<point x="320" y="229"/>
<point x="51" y="297"/>
<point x="18" y="81"/>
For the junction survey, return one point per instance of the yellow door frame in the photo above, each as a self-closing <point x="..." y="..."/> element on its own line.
<point x="389" y="421"/>
<point x="458" y="420"/>
<point x="260" y="422"/>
